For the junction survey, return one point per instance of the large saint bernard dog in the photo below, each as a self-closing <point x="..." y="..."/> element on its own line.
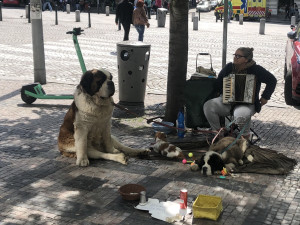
<point x="216" y="158"/>
<point x="86" y="130"/>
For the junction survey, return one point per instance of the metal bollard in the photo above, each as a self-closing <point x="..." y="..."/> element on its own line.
<point x="262" y="24"/>
<point x="193" y="15"/>
<point x="77" y="16"/>
<point x="241" y="17"/>
<point x="199" y="14"/>
<point x="89" y="12"/>
<point x="68" y="8"/>
<point x="0" y="11"/>
<point x="195" y="23"/>
<point x="107" y="10"/>
<point x="293" y="20"/>
<point x="26" y="11"/>
<point x="29" y="20"/>
<point x="56" y="19"/>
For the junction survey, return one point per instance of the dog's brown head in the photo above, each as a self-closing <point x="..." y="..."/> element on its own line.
<point x="161" y="136"/>
<point x="98" y="82"/>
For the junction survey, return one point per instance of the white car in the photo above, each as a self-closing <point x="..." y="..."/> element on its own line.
<point x="214" y="3"/>
<point x="203" y="6"/>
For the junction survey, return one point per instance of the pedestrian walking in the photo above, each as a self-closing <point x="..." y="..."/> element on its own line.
<point x="287" y="11"/>
<point x="296" y="11"/>
<point x="124" y="15"/>
<point x="47" y="4"/>
<point x="149" y="6"/>
<point x="77" y="5"/>
<point x="230" y="10"/>
<point x="139" y="19"/>
<point x="243" y="63"/>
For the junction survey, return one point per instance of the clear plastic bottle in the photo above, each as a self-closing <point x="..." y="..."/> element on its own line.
<point x="180" y="123"/>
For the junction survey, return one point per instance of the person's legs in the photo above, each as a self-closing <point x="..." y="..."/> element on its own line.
<point x="126" y="27"/>
<point x="241" y="115"/>
<point x="213" y="109"/>
<point x="140" y="29"/>
<point x="50" y="7"/>
<point x="149" y="12"/>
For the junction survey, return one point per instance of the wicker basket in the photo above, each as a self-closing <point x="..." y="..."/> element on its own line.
<point x="131" y="192"/>
<point x="208" y="207"/>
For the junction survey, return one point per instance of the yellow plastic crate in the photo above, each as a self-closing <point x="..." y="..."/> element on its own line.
<point x="208" y="207"/>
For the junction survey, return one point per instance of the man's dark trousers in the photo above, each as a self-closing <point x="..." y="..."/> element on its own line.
<point x="126" y="27"/>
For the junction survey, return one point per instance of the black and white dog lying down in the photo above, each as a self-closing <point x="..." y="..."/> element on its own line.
<point x="215" y="160"/>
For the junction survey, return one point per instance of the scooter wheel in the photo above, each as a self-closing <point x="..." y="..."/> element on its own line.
<point x="26" y="98"/>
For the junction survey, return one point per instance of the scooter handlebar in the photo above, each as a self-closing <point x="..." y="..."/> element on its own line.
<point x="75" y="31"/>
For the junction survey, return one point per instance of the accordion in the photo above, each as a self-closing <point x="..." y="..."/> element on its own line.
<point x="239" y="88"/>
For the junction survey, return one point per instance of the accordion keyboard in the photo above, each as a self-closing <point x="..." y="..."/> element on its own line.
<point x="239" y="88"/>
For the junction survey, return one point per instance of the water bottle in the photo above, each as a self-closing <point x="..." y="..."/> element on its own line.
<point x="180" y="123"/>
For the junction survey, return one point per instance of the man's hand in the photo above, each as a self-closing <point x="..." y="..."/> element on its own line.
<point x="263" y="101"/>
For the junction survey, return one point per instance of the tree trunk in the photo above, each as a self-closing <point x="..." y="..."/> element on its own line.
<point x="178" y="56"/>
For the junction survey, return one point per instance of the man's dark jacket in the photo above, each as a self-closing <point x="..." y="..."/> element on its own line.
<point x="124" y="12"/>
<point x="262" y="76"/>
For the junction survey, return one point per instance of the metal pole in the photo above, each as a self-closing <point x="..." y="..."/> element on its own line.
<point x="38" y="42"/>
<point x="89" y="12"/>
<point x="293" y="20"/>
<point x="262" y="26"/>
<point x="26" y="11"/>
<point x="241" y="19"/>
<point x="29" y="21"/>
<point x="56" y="20"/>
<point x="195" y="23"/>
<point x="224" y="52"/>
<point x="199" y="14"/>
<point x="0" y="11"/>
<point x="107" y="10"/>
<point x="77" y="15"/>
<point x="68" y="8"/>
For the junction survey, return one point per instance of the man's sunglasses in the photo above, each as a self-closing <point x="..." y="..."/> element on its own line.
<point x="238" y="56"/>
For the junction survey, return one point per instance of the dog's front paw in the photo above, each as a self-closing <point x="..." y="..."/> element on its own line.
<point x="250" y="158"/>
<point x="144" y="151"/>
<point x="122" y="158"/>
<point x="115" y="151"/>
<point x="82" y="162"/>
<point x="241" y="162"/>
<point x="194" y="167"/>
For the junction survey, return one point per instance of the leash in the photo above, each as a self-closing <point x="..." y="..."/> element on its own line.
<point x="238" y="137"/>
<point x="151" y="120"/>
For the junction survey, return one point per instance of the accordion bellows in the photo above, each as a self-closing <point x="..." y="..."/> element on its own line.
<point x="239" y="88"/>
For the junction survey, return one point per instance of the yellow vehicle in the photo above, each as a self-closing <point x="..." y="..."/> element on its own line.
<point x="252" y="9"/>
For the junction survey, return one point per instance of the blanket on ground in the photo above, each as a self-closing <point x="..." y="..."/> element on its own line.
<point x="267" y="161"/>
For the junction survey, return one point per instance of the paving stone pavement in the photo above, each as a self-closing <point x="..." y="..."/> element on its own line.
<point x="38" y="186"/>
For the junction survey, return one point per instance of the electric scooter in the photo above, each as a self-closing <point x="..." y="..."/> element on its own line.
<point x="31" y="92"/>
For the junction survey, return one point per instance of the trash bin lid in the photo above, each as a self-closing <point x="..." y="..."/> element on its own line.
<point x="136" y="44"/>
<point x="162" y="9"/>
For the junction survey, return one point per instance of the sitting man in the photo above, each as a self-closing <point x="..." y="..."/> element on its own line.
<point x="243" y="63"/>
